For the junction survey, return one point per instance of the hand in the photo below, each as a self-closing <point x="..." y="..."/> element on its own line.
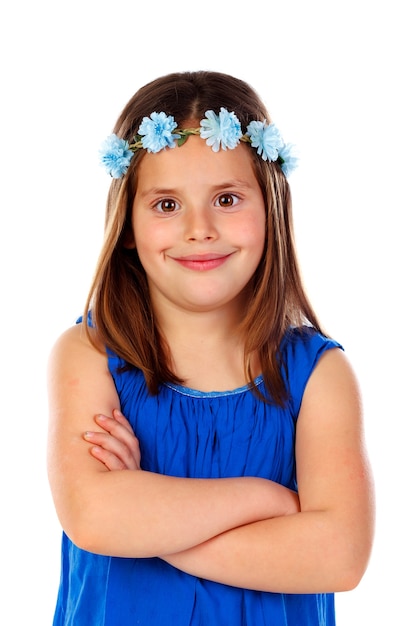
<point x="117" y="447"/>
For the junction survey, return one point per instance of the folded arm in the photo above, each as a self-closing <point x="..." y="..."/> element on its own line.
<point x="132" y="513"/>
<point x="245" y="532"/>
<point x="322" y="547"/>
<point x="326" y="546"/>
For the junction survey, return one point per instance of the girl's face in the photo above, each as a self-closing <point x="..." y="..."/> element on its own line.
<point x="199" y="226"/>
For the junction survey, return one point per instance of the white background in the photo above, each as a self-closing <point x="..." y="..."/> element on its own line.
<point x="338" y="78"/>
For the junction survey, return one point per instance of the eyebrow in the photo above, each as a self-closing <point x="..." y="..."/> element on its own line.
<point x="234" y="182"/>
<point x="166" y="191"/>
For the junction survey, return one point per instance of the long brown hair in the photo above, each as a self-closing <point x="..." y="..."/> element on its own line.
<point x="119" y="299"/>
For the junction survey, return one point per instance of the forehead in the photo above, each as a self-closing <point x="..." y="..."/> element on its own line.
<point x="196" y="162"/>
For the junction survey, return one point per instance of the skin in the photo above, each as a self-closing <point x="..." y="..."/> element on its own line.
<point x="200" y="243"/>
<point x="199" y="226"/>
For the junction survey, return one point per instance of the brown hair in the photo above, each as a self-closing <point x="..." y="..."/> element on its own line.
<point x="119" y="299"/>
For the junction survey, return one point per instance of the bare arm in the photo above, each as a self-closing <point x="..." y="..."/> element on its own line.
<point x="326" y="546"/>
<point x="131" y="513"/>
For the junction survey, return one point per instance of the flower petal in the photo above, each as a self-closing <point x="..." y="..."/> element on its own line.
<point x="115" y="155"/>
<point x="157" y="132"/>
<point x="221" y="130"/>
<point x="266" y="138"/>
<point x="290" y="159"/>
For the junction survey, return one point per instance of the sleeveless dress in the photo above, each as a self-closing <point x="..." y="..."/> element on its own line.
<point x="189" y="433"/>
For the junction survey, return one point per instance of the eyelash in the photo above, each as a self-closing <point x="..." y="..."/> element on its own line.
<point x="158" y="205"/>
<point x="227" y="195"/>
<point x="169" y="201"/>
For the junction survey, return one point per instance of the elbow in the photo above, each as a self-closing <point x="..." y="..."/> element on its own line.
<point x="351" y="568"/>
<point x="83" y="535"/>
<point x="100" y="532"/>
<point x="86" y="541"/>
<point x="352" y="552"/>
<point x="85" y="528"/>
<point x="350" y="577"/>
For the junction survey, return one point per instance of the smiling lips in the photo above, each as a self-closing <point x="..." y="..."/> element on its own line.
<point x="202" y="262"/>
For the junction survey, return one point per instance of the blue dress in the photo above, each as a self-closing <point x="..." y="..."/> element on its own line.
<point x="189" y="433"/>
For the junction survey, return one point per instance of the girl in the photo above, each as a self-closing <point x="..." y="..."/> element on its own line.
<point x="201" y="367"/>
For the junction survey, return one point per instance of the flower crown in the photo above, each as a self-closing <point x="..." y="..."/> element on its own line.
<point x="160" y="131"/>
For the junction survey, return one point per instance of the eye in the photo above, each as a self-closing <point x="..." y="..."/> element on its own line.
<point x="227" y="200"/>
<point x="167" y="205"/>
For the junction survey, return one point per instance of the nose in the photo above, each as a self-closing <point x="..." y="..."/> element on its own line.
<point x="200" y="224"/>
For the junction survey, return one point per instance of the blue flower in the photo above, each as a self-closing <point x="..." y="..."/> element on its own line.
<point x="115" y="156"/>
<point x="157" y="132"/>
<point x="289" y="159"/>
<point x="266" y="138"/>
<point x="221" y="130"/>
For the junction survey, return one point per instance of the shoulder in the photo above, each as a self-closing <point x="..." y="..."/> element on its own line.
<point x="333" y="382"/>
<point x="75" y="350"/>
<point x="300" y="352"/>
<point x="331" y="401"/>
<point x="305" y="343"/>
<point x="78" y="377"/>
<point x="75" y="338"/>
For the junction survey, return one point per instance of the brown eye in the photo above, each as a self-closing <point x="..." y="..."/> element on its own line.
<point x="167" y="205"/>
<point x="226" y="200"/>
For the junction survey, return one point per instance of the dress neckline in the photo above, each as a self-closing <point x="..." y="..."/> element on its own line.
<point x="196" y="393"/>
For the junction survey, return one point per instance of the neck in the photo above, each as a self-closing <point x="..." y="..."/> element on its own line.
<point x="206" y="348"/>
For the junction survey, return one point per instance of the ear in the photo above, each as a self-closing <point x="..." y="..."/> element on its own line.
<point x="129" y="240"/>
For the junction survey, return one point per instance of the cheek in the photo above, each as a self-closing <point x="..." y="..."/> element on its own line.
<point x="254" y="233"/>
<point x="151" y="244"/>
<point x="147" y="236"/>
<point x="148" y="248"/>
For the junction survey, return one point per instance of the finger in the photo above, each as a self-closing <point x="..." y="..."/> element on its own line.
<point x="110" y="460"/>
<point x="128" y="458"/>
<point x="121" y="419"/>
<point x="121" y="433"/>
<point x="116" y="427"/>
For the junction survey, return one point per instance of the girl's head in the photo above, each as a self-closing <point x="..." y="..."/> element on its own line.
<point x="119" y="297"/>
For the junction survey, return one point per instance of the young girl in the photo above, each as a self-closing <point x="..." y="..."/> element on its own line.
<point x="206" y="453"/>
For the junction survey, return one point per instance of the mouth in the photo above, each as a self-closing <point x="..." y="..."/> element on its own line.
<point x="202" y="262"/>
